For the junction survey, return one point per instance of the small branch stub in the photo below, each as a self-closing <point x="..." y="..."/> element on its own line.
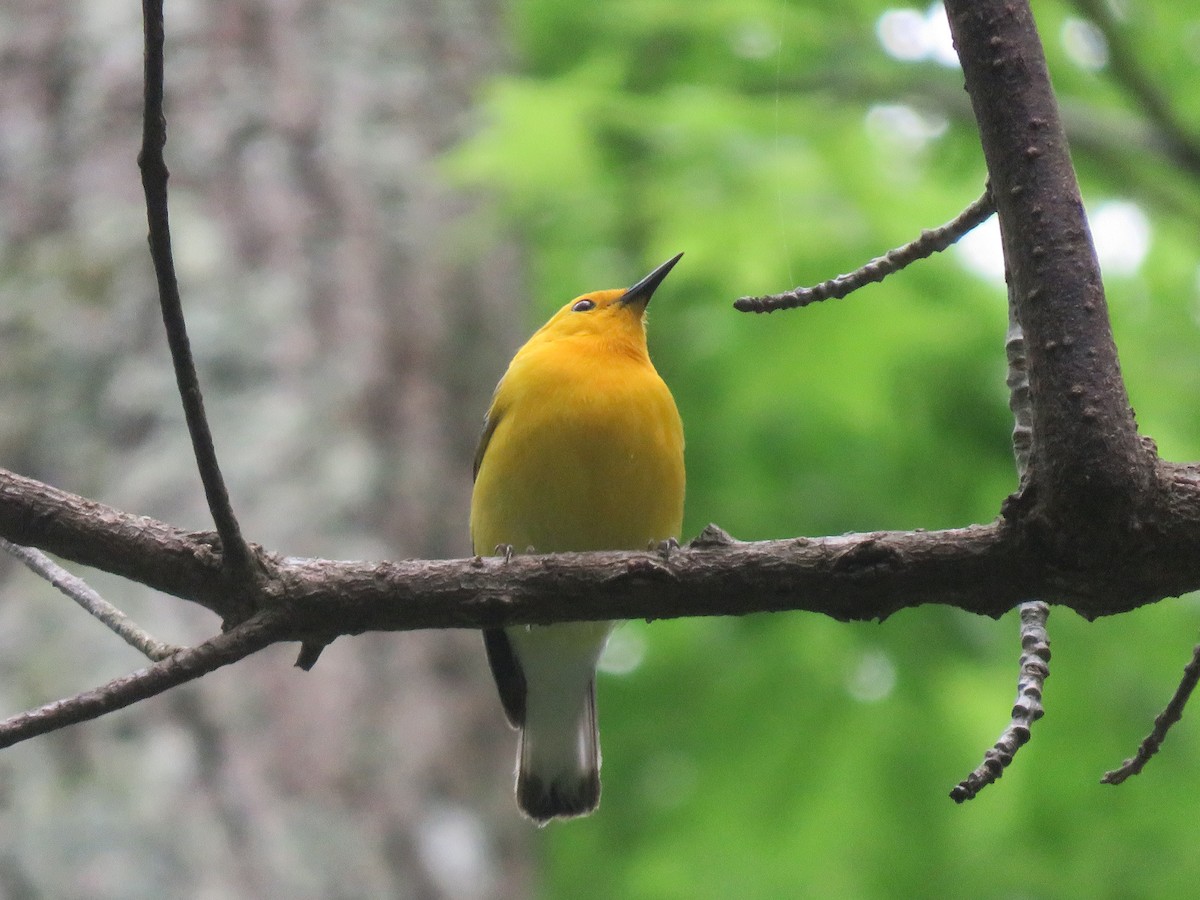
<point x="1035" y="669"/>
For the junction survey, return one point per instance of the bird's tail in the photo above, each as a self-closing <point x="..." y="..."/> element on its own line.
<point x="558" y="772"/>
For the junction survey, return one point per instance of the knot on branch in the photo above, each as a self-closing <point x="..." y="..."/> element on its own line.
<point x="868" y="555"/>
<point x="712" y="536"/>
<point x="645" y="568"/>
<point x="240" y="591"/>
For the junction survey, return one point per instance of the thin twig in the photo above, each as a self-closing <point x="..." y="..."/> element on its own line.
<point x="1035" y="639"/>
<point x="186" y="665"/>
<point x="1035" y="669"/>
<point x="1020" y="398"/>
<point x="83" y="594"/>
<point x="881" y="267"/>
<point x="237" y="556"/>
<point x="1162" y="724"/>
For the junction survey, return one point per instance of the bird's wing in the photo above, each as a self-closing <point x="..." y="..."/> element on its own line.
<point x="490" y="421"/>
<point x="506" y="670"/>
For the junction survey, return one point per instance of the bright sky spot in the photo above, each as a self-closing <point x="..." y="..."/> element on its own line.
<point x="1085" y="44"/>
<point x="1120" y="231"/>
<point x="980" y="252"/>
<point x="899" y="124"/>
<point x="873" y="678"/>
<point x="1122" y="235"/>
<point x="912" y="36"/>
<point x="902" y="34"/>
<point x="453" y="845"/>
<point x="755" y="40"/>
<point x="941" y="43"/>
<point x="625" y="651"/>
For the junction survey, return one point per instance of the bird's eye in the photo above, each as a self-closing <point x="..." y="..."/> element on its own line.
<point x="584" y="305"/>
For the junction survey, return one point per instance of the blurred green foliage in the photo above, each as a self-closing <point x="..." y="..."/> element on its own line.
<point x="779" y="144"/>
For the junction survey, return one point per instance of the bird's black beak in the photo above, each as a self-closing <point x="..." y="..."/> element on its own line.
<point x="644" y="289"/>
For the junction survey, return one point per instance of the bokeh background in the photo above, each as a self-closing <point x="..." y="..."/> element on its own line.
<point x="373" y="203"/>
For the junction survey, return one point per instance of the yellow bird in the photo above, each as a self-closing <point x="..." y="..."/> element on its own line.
<point x="582" y="449"/>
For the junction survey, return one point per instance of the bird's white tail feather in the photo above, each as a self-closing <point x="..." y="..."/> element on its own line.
<point x="558" y="768"/>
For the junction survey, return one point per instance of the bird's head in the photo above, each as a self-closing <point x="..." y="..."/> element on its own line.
<point x="616" y="315"/>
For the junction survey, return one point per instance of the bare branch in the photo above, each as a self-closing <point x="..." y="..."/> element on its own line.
<point x="861" y="576"/>
<point x="1035" y="639"/>
<point x="236" y="553"/>
<point x="1020" y="398"/>
<point x="929" y="243"/>
<point x="986" y="569"/>
<point x="1089" y="465"/>
<point x="186" y="665"/>
<point x="83" y="594"/>
<point x="1091" y="479"/>
<point x="1035" y="669"/>
<point x="92" y="534"/>
<point x="1162" y="724"/>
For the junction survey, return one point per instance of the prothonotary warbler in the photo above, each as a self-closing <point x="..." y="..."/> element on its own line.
<point x="582" y="449"/>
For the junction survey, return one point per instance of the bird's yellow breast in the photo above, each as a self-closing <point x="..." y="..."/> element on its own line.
<point x="585" y="451"/>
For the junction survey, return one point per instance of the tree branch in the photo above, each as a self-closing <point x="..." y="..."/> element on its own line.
<point x="865" y="576"/>
<point x="83" y="594"/>
<point x="1162" y="724"/>
<point x="1019" y="401"/>
<point x="985" y="569"/>
<point x="235" y="552"/>
<point x="152" y="553"/>
<point x="1035" y="669"/>
<point x="186" y="665"/>
<point x="1035" y="639"/>
<point x="929" y="243"/>
<point x="1088" y="463"/>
